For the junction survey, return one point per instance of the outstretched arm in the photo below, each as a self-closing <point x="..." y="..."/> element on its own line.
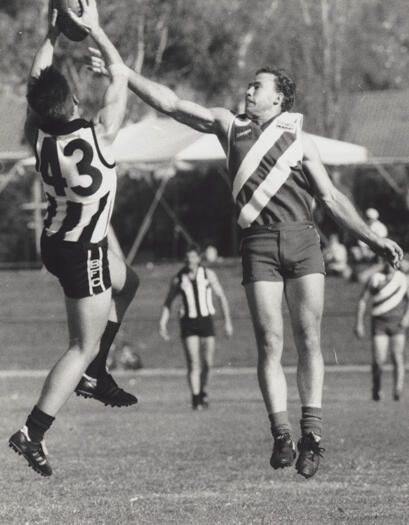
<point x="219" y="292"/>
<point x="341" y="208"/>
<point x="111" y="115"/>
<point x="165" y="100"/>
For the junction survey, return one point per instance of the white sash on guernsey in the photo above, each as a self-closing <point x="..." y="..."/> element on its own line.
<point x="277" y="175"/>
<point x="395" y="289"/>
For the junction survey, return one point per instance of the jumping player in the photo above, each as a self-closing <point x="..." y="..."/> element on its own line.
<point x="388" y="291"/>
<point x="275" y="172"/>
<point x="194" y="283"/>
<point x="79" y="181"/>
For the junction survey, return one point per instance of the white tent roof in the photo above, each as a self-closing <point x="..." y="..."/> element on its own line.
<point x="160" y="140"/>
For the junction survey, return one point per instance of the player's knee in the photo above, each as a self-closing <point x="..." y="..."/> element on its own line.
<point x="308" y="337"/>
<point x="269" y="341"/>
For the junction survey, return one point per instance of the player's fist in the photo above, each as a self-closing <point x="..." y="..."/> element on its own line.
<point x="359" y="330"/>
<point x="228" y="329"/>
<point x="389" y="250"/>
<point x="163" y="332"/>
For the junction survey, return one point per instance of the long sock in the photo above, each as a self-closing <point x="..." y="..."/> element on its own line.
<point x="311" y="421"/>
<point x="376" y="378"/>
<point x="98" y="365"/>
<point x="38" y="422"/>
<point x="279" y="423"/>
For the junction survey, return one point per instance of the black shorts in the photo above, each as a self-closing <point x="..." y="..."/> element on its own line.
<point x="384" y="326"/>
<point x="81" y="268"/>
<point x="200" y="326"/>
<point x="282" y="251"/>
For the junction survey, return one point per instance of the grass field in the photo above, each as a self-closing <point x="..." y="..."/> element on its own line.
<point x="161" y="463"/>
<point x="32" y="321"/>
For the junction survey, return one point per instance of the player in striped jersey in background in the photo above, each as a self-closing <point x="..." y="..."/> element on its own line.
<point x="388" y="291"/>
<point x="79" y="180"/>
<point x="194" y="284"/>
<point x="276" y="171"/>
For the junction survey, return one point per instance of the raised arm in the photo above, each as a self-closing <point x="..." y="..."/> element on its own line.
<point x="165" y="313"/>
<point x="42" y="59"/>
<point x="111" y="115"/>
<point x="219" y="292"/>
<point x="165" y="100"/>
<point x="341" y="208"/>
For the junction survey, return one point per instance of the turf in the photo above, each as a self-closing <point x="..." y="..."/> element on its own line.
<point x="161" y="463"/>
<point x="32" y="320"/>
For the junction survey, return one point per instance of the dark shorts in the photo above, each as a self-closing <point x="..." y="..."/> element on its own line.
<point x="278" y="252"/>
<point x="384" y="326"/>
<point x="200" y="326"/>
<point x="81" y="268"/>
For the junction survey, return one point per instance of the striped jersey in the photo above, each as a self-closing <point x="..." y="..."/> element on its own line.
<point x="78" y="180"/>
<point x="264" y="163"/>
<point x="196" y="293"/>
<point x="389" y="295"/>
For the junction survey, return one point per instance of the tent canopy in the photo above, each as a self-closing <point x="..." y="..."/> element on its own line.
<point x="162" y="140"/>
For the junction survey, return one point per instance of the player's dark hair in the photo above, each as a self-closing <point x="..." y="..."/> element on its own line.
<point x="284" y="84"/>
<point x="50" y="96"/>
<point x="192" y="248"/>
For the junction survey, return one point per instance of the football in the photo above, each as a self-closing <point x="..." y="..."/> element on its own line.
<point x="67" y="26"/>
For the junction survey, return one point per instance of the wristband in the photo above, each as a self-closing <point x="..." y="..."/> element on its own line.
<point x="118" y="69"/>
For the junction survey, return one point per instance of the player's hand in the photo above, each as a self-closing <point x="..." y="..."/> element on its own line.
<point x="404" y="321"/>
<point x="89" y="21"/>
<point x="228" y="329"/>
<point x="359" y="331"/>
<point x="95" y="62"/>
<point x="389" y="250"/>
<point x="53" y="29"/>
<point x="163" y="332"/>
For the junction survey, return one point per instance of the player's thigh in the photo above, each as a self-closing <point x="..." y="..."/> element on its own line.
<point x="122" y="275"/>
<point x="264" y="299"/>
<point x="380" y="346"/>
<point x="305" y="300"/>
<point x="208" y="345"/>
<point x="191" y="346"/>
<point x="397" y="346"/>
<point x="87" y="317"/>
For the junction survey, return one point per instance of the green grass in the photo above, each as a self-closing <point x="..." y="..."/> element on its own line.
<point x="161" y="463"/>
<point x="32" y="320"/>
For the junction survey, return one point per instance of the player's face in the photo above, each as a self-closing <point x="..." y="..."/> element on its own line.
<point x="192" y="260"/>
<point x="262" y="95"/>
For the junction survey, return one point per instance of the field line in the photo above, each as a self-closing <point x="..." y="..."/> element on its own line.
<point x="224" y="371"/>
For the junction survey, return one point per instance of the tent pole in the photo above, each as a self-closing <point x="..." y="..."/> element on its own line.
<point x="166" y="207"/>
<point x="146" y="221"/>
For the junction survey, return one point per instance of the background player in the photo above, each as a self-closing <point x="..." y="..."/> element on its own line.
<point x="79" y="182"/>
<point x="275" y="171"/>
<point x="388" y="291"/>
<point x="194" y="284"/>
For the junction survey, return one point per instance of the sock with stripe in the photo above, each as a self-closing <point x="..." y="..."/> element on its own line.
<point x="97" y="367"/>
<point x="38" y="422"/>
<point x="311" y="421"/>
<point x="279" y="423"/>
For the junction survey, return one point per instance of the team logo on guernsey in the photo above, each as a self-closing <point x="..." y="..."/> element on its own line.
<point x="246" y="133"/>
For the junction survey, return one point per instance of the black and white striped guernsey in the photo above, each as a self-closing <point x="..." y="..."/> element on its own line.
<point x="79" y="182"/>
<point x="264" y="163"/>
<point x="197" y="300"/>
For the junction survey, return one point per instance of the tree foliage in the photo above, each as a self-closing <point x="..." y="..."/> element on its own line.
<point x="207" y="50"/>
